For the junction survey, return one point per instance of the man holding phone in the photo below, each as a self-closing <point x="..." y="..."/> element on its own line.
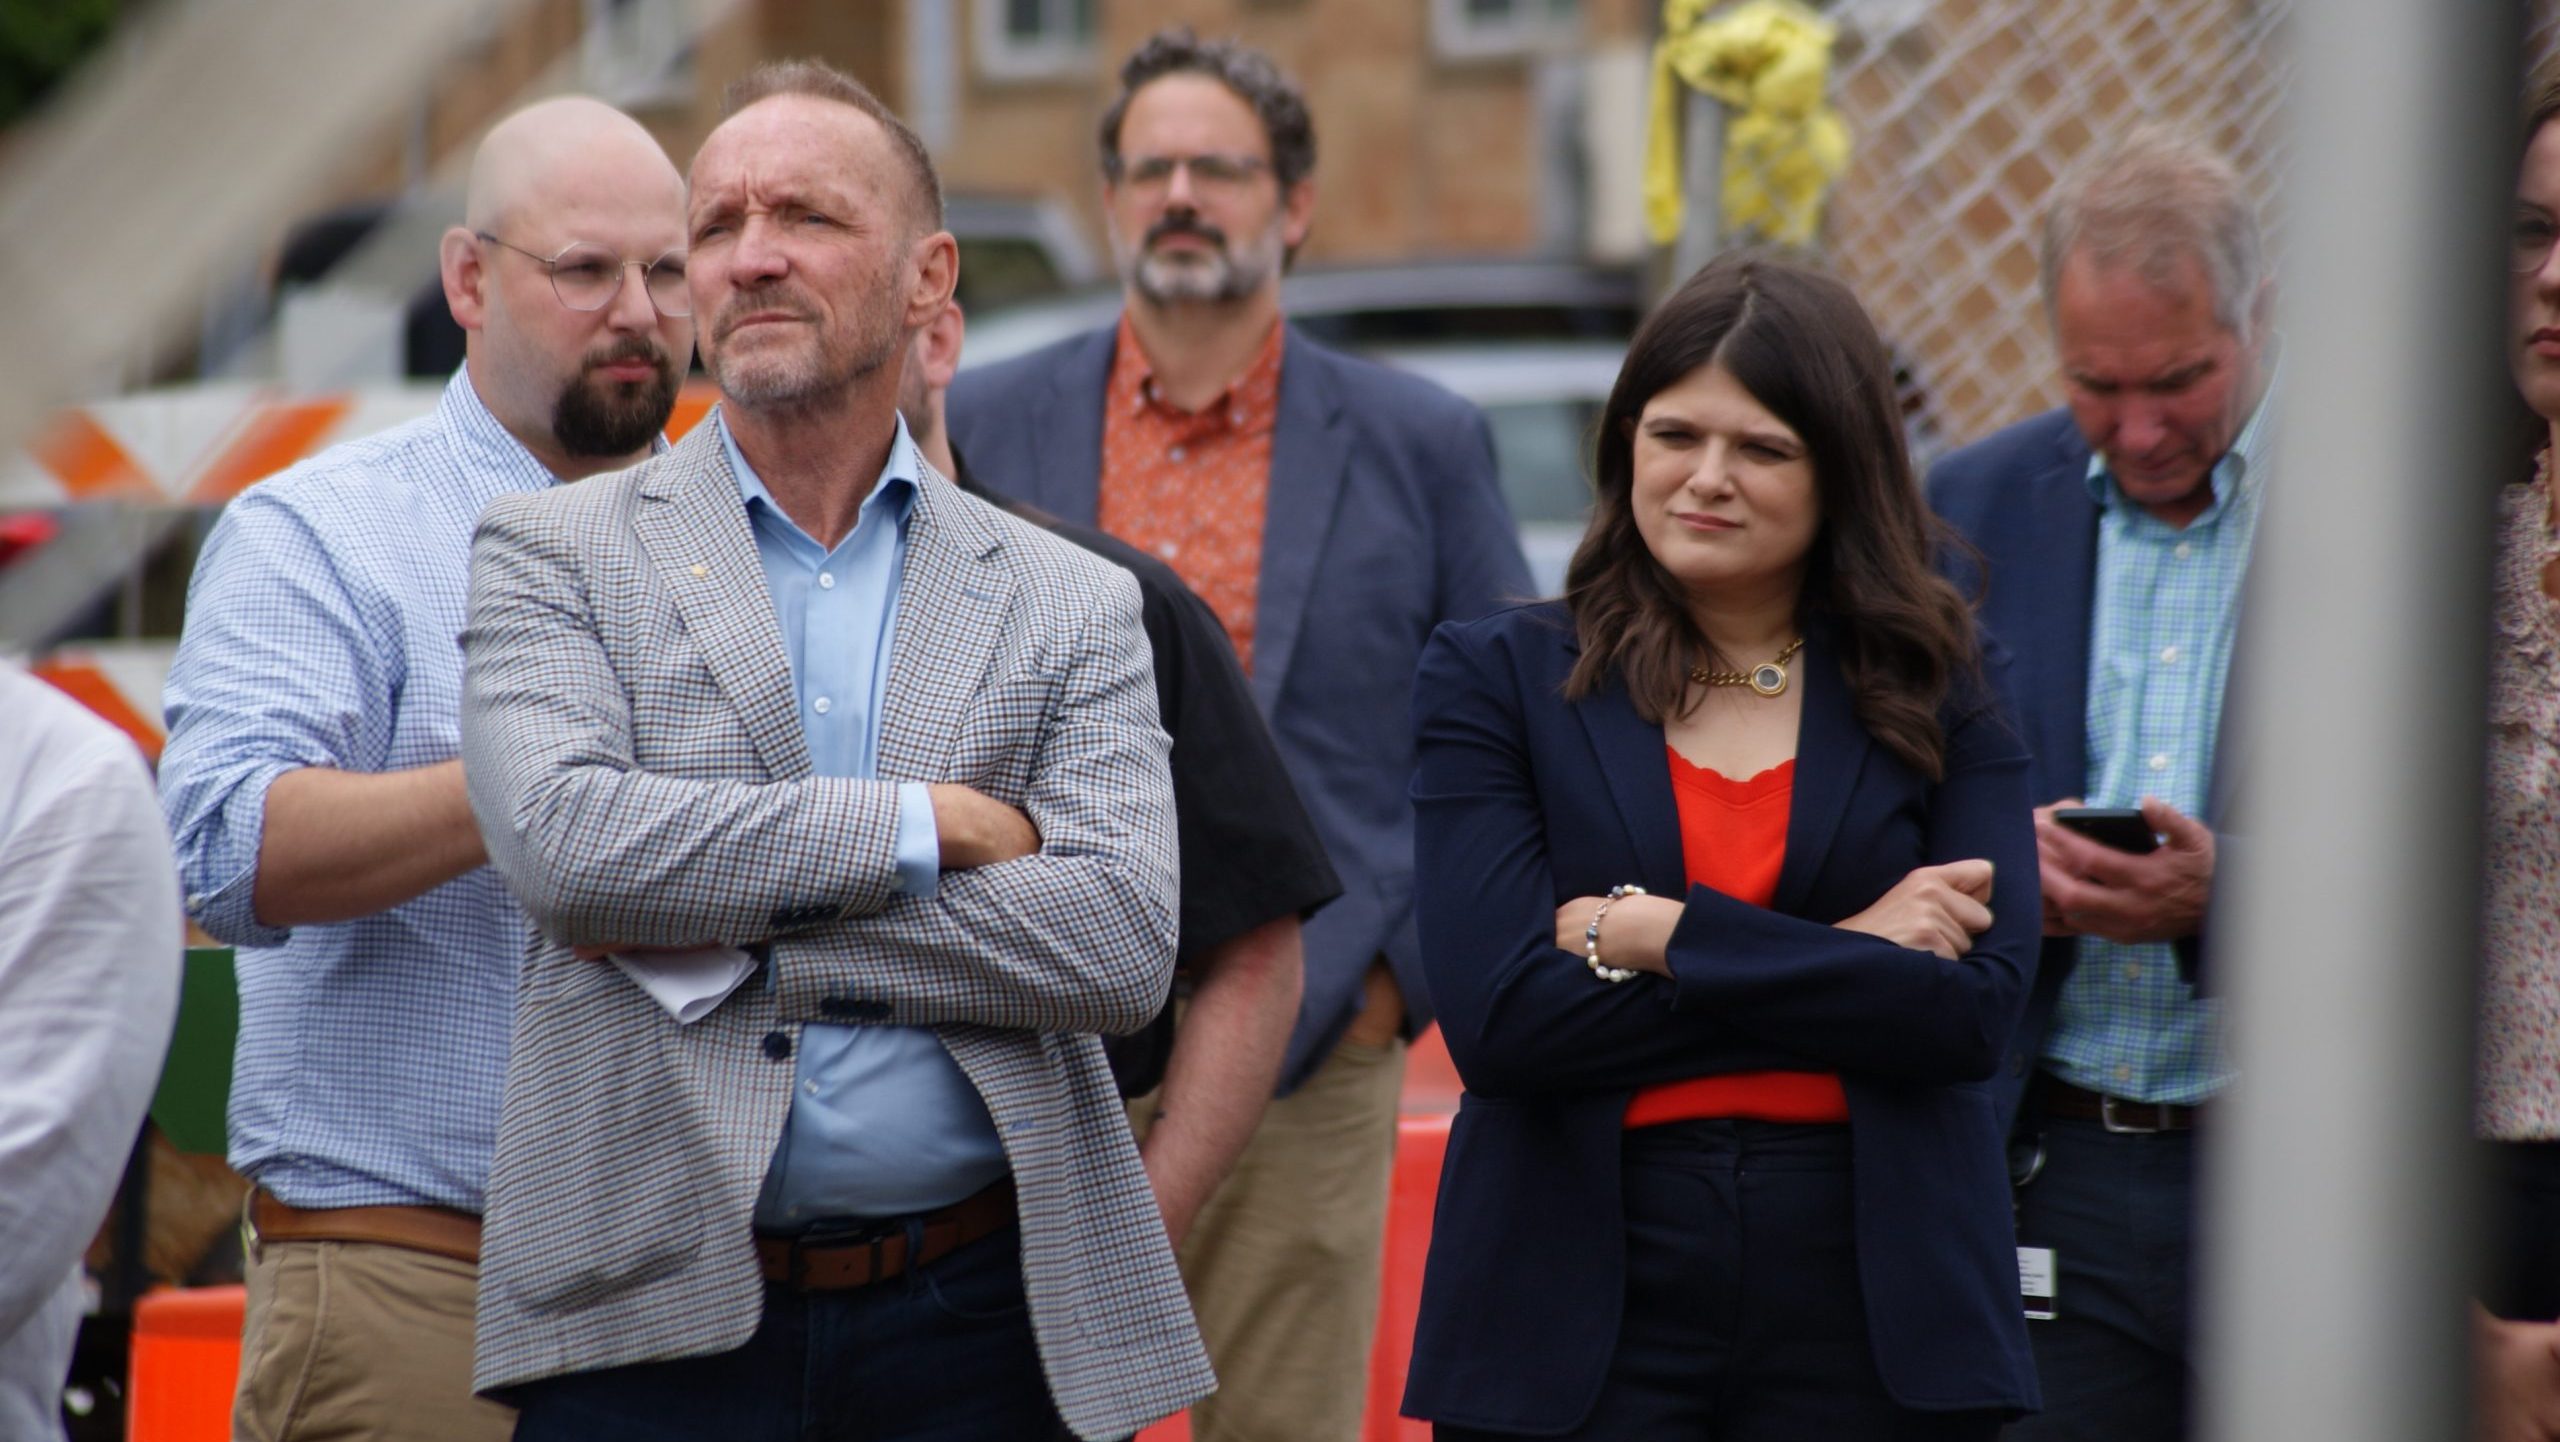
<point x="2114" y="535"/>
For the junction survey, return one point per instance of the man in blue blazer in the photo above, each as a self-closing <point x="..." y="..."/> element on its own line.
<point x="1332" y="512"/>
<point x="2113" y="540"/>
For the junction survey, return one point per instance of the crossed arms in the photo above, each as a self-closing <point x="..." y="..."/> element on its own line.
<point x="1076" y="936"/>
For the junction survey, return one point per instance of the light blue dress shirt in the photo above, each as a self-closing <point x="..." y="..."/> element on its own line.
<point x="883" y="1122"/>
<point x="320" y="631"/>
<point x="2166" y="609"/>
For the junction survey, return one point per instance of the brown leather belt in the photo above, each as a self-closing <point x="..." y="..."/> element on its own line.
<point x="2062" y="1099"/>
<point x="817" y="1262"/>
<point x="433" y="1230"/>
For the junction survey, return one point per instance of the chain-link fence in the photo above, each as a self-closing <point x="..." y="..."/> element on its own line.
<point x="1964" y="113"/>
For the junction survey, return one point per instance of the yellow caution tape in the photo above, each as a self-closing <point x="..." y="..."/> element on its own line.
<point x="1769" y="62"/>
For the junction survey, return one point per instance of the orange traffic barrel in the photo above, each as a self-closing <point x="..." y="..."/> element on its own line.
<point x="186" y="1364"/>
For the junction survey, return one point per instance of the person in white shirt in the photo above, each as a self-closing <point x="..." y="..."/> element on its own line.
<point x="89" y="957"/>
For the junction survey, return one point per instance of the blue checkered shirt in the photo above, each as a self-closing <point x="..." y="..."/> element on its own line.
<point x="2167" y="607"/>
<point x="320" y="631"/>
<point x="882" y="1122"/>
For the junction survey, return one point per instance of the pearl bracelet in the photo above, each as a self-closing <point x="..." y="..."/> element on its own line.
<point x="1591" y="936"/>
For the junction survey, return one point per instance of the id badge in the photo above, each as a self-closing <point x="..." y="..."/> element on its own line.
<point x="2035" y="1282"/>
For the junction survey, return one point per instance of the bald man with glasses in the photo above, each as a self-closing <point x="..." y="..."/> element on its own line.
<point x="313" y="781"/>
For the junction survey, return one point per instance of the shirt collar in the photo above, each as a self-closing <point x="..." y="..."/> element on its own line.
<point x="893" y="492"/>
<point x="2237" y="477"/>
<point x="487" y="449"/>
<point x="1251" y="403"/>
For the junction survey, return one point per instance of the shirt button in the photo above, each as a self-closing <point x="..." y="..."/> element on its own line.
<point x="2133" y="971"/>
<point x="195" y="901"/>
<point x="2159" y="759"/>
<point x="1176" y="453"/>
<point x="826" y="580"/>
<point x="822" y="706"/>
<point x="809" y="1087"/>
<point x="2182" y="550"/>
<point x="2124" y="1073"/>
<point x="1167" y="549"/>
<point x="1235" y="418"/>
<point x="2169" y="655"/>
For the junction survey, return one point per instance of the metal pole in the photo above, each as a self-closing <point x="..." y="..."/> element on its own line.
<point x="2338" y="1185"/>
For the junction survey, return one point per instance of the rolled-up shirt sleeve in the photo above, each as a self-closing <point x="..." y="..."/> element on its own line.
<point x="267" y="605"/>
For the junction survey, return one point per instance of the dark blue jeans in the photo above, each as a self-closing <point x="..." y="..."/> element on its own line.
<point x="940" y="1354"/>
<point x="2119" y="1213"/>
<point x="1744" y="1318"/>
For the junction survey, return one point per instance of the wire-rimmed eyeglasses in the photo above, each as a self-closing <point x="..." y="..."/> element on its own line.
<point x="586" y="276"/>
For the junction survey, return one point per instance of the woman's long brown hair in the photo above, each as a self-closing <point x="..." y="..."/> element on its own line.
<point x="1799" y="342"/>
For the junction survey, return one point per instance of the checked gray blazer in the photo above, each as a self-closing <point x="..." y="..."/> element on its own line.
<point x="637" y="765"/>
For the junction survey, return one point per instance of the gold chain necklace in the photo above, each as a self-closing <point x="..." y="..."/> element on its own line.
<point x="1769" y="678"/>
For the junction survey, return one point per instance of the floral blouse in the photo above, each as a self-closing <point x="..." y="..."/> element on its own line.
<point x="2519" y="1062"/>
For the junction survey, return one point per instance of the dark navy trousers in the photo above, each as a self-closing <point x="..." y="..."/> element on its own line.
<point x="2523" y="1283"/>
<point x="1744" y="1320"/>
<point x="940" y="1354"/>
<point x="2119" y="1213"/>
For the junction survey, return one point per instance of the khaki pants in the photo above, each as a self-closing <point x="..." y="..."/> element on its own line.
<point x="354" y="1340"/>
<point x="1283" y="1262"/>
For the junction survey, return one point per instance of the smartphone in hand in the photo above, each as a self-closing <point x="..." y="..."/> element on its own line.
<point x="2119" y="827"/>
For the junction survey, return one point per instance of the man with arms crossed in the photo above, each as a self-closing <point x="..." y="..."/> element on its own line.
<point x="314" y="784"/>
<point x="2115" y="536"/>
<point x="1252" y="864"/>
<point x="1332" y="512"/>
<point x="882" y="764"/>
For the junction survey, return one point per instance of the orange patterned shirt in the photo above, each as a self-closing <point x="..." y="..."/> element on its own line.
<point x="1190" y="486"/>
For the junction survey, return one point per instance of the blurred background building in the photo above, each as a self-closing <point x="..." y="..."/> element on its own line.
<point x="1480" y="217"/>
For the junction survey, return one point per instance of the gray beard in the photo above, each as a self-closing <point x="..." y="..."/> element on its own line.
<point x="788" y="381"/>
<point x="1219" y="281"/>
<point x="1218" y="278"/>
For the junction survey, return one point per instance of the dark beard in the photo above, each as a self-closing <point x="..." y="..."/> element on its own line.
<point x="600" y="418"/>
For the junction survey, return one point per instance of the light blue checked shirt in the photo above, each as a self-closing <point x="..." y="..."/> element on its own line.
<point x="2166" y="609"/>
<point x="883" y="1122"/>
<point x="321" y="631"/>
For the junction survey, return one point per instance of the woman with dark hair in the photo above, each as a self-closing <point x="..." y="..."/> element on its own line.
<point x="1727" y="902"/>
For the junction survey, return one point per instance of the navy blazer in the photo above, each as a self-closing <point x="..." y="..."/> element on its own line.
<point x="1525" y="801"/>
<point x="2021" y="499"/>
<point x="1385" y="518"/>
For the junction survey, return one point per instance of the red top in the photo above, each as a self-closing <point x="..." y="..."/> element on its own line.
<point x="1733" y="837"/>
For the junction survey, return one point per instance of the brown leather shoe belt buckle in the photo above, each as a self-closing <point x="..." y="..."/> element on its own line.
<point x="819" y="1262"/>
<point x="2141" y="1119"/>
<point x="432" y="1230"/>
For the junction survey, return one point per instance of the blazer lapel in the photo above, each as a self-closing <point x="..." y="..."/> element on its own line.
<point x="1636" y="762"/>
<point x="692" y="523"/>
<point x="1831" y="751"/>
<point x="951" y="605"/>
<point x="1310" y="454"/>
<point x="1062" y="433"/>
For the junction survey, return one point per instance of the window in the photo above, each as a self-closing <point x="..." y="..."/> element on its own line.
<point x="1035" y="39"/>
<point x="1467" y="29"/>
